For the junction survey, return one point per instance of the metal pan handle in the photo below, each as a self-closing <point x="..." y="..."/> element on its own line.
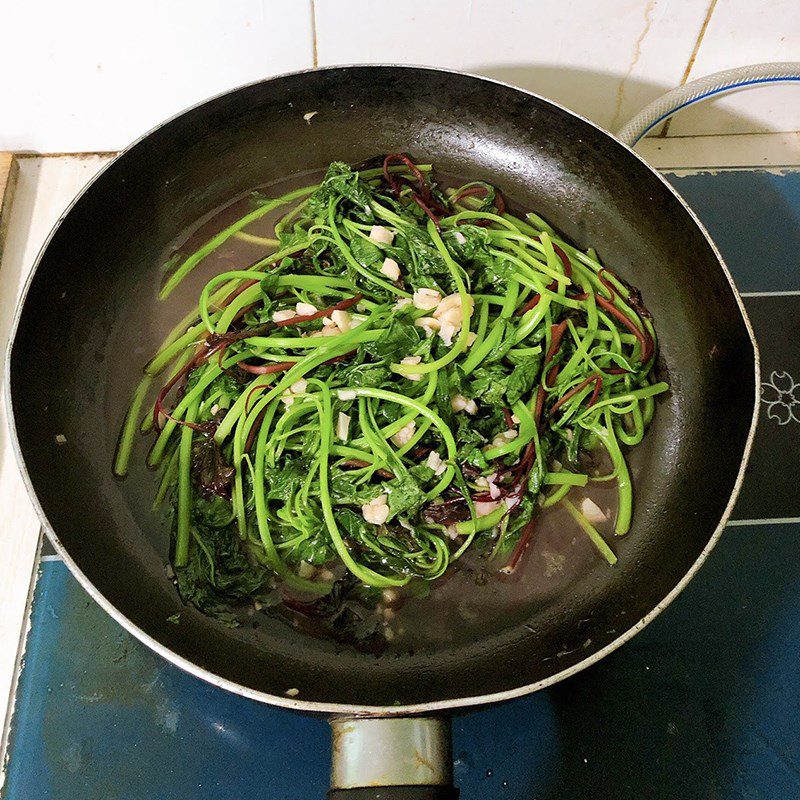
<point x="391" y="758"/>
<point x="395" y="793"/>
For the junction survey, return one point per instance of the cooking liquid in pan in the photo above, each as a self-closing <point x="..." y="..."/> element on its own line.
<point x="474" y="597"/>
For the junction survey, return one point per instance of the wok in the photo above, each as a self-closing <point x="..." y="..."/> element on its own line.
<point x="89" y="318"/>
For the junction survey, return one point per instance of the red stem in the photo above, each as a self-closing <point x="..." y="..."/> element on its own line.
<point x="564" y="260"/>
<point x="556" y="334"/>
<point x="598" y="381"/>
<point x="266" y="369"/>
<point x="609" y="287"/>
<point x="422" y="195"/>
<point x="236" y="292"/>
<point x="539" y="406"/>
<point x="421" y="203"/>
<point x="471" y="191"/>
<point x="340" y="306"/>
<point x="254" y="430"/>
<point x="357" y="463"/>
<point x="522" y="546"/>
<point x="644" y="338"/>
<point x="249" y="395"/>
<point x="158" y="406"/>
<point x="551" y="287"/>
<point x="532" y="303"/>
<point x="596" y="393"/>
<point x="412" y="167"/>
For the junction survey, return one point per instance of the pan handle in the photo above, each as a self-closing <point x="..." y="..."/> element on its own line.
<point x="395" y="793"/>
<point x="391" y="758"/>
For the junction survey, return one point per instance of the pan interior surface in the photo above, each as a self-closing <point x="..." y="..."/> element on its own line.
<point x="90" y="320"/>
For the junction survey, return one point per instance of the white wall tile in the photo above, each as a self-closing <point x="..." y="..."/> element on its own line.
<point x="603" y="59"/>
<point x="93" y="75"/>
<point x="746" y="32"/>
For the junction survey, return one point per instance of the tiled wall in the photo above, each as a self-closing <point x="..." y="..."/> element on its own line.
<point x="85" y="76"/>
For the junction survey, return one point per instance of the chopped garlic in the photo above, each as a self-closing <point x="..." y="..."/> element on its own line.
<point x="282" y="316"/>
<point x="461" y="403"/>
<point x="494" y="489"/>
<point x="412" y="376"/>
<point x="504" y="438"/>
<point x="592" y="511"/>
<point x="342" y="320"/>
<point x="327" y="321"/>
<point x="287" y="398"/>
<point x="405" y="434"/>
<point x="381" y="235"/>
<point x="342" y="426"/>
<point x="306" y="569"/>
<point x="292" y="692"/>
<point x="391" y="269"/>
<point x="471" y="337"/>
<point x="346" y="394"/>
<point x="453" y="316"/>
<point x="484" y="509"/>
<point x="329" y="330"/>
<point x="460" y="238"/>
<point x="451" y="301"/>
<point x="515" y="419"/>
<point x="482" y="482"/>
<point x="446" y="332"/>
<point x="305" y="309"/>
<point x="403" y="302"/>
<point x="435" y="463"/>
<point x="391" y="597"/>
<point x="427" y="299"/>
<point x="429" y="325"/>
<point x="298" y="387"/>
<point x="376" y="512"/>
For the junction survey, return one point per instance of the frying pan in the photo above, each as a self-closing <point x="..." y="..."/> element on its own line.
<point x="89" y="317"/>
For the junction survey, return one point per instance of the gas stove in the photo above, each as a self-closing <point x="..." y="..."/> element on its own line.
<point x="702" y="704"/>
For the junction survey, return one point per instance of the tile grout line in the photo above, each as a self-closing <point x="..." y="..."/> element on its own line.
<point x="314" y="51"/>
<point x="18" y="662"/>
<point x="692" y="58"/>
<point x="31" y="154"/>
<point x="635" y="56"/>
<point x="787" y="293"/>
<point x="680" y="136"/>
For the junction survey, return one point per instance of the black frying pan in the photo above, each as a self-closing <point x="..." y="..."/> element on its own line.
<point x="93" y="294"/>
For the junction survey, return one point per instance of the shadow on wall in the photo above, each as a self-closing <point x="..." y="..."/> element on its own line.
<point x="608" y="99"/>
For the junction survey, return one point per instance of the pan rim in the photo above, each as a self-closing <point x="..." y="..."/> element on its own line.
<point x="314" y="706"/>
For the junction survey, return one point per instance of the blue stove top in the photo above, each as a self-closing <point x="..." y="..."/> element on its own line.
<point x="705" y="703"/>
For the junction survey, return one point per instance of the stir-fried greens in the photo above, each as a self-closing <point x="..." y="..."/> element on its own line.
<point x="407" y="374"/>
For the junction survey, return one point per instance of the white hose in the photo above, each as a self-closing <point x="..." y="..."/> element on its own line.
<point x="712" y="85"/>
